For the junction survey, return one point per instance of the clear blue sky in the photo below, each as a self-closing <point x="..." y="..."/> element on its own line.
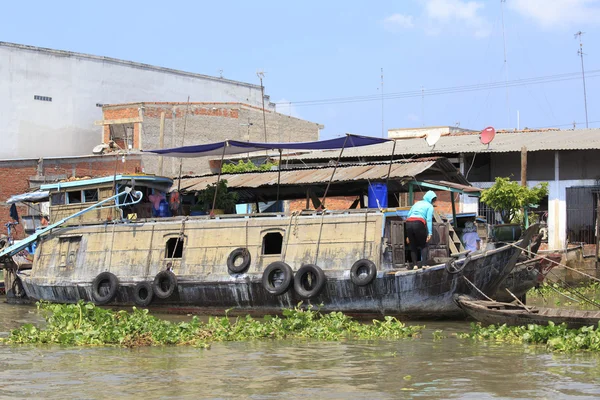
<point x="316" y="50"/>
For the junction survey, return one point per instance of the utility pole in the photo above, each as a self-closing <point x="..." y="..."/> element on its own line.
<point x="580" y="52"/>
<point x="505" y="66"/>
<point x="261" y="75"/>
<point x="382" y="126"/>
<point x="422" y="106"/>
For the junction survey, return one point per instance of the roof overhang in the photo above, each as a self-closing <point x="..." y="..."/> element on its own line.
<point x="348" y="180"/>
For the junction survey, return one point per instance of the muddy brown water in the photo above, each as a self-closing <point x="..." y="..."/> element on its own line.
<point x="391" y="369"/>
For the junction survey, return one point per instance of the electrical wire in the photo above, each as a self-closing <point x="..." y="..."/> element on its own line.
<point x="447" y="90"/>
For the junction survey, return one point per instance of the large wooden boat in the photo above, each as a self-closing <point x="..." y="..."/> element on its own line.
<point x="498" y="313"/>
<point x="257" y="264"/>
<point x="352" y="261"/>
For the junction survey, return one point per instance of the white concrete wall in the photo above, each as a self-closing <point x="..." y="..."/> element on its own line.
<point x="424" y="131"/>
<point x="557" y="207"/>
<point x="76" y="82"/>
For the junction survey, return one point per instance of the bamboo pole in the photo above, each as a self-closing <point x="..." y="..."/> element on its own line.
<point x="161" y="139"/>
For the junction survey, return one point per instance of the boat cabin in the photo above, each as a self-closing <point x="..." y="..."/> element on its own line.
<point x="71" y="197"/>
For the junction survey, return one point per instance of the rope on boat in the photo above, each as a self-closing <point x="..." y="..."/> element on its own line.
<point x="181" y="231"/>
<point x="476" y="288"/>
<point x="319" y="239"/>
<point x="572" y="290"/>
<point x="287" y="234"/>
<point x="562" y="294"/>
<point x="519" y="302"/>
<point x="556" y="262"/>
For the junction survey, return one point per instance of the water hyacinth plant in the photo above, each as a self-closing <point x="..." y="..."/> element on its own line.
<point x="554" y="337"/>
<point x="85" y="324"/>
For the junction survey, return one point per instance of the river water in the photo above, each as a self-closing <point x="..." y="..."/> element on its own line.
<point x="422" y="368"/>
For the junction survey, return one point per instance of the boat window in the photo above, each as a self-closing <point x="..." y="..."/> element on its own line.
<point x="272" y="243"/>
<point x="74" y="197"/>
<point x="58" y="199"/>
<point x="174" y="248"/>
<point x="90" y="195"/>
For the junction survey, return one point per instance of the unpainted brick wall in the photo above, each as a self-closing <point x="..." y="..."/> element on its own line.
<point x="206" y="123"/>
<point x="15" y="177"/>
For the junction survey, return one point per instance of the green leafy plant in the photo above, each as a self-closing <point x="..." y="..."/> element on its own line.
<point x="509" y="197"/>
<point x="246" y="166"/>
<point x="84" y="324"/>
<point x="225" y="200"/>
<point x="554" y="337"/>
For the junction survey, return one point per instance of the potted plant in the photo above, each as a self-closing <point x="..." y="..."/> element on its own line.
<point x="224" y="203"/>
<point x="509" y="198"/>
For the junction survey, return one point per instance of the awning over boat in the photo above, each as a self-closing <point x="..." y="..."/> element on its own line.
<point x="349" y="180"/>
<point x="237" y="147"/>
<point x="32" y="197"/>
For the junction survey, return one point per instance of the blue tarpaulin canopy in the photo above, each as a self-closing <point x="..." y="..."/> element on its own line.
<point x="237" y="147"/>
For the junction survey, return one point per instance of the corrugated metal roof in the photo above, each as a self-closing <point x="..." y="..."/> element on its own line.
<point x="580" y="139"/>
<point x="321" y="175"/>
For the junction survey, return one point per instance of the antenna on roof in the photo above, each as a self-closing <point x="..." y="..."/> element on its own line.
<point x="487" y="135"/>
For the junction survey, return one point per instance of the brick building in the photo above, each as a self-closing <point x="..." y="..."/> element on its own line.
<point x="149" y="126"/>
<point x="21" y="175"/>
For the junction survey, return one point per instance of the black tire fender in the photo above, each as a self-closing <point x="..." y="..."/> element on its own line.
<point x="165" y="283"/>
<point x="277" y="271"/>
<point x="356" y="272"/>
<point x="143" y="294"/>
<point x="234" y="255"/>
<point x="309" y="281"/>
<point x="18" y="291"/>
<point x="102" y="279"/>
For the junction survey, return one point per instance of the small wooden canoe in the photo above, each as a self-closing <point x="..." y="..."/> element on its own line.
<point x="497" y="313"/>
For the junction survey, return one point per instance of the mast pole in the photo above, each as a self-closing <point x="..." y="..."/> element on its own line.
<point x="212" y="210"/>
<point x="322" y="205"/>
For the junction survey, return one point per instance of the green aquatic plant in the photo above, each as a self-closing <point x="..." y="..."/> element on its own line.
<point x="554" y="337"/>
<point x="550" y="293"/>
<point x="85" y="324"/>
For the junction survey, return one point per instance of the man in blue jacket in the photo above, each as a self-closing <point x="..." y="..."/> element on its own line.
<point x="419" y="227"/>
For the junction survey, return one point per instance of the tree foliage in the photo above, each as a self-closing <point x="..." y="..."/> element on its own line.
<point x="509" y="197"/>
<point x="225" y="200"/>
<point x="247" y="166"/>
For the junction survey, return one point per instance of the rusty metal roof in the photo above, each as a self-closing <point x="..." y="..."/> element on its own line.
<point x="292" y="181"/>
<point x="579" y="139"/>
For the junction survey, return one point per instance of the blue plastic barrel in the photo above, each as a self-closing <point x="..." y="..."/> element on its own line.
<point x="163" y="209"/>
<point x="378" y="195"/>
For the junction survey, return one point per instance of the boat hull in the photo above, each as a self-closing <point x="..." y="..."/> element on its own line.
<point x="526" y="275"/>
<point x="419" y="294"/>
<point x="490" y="313"/>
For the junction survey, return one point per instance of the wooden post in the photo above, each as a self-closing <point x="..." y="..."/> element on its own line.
<point x="161" y="139"/>
<point x="453" y="209"/>
<point x="307" y="207"/>
<point x="524" y="184"/>
<point x="597" y="235"/>
<point x="411" y="195"/>
<point x="523" y="166"/>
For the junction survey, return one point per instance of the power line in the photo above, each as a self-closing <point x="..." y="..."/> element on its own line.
<point x="573" y="124"/>
<point x="448" y="90"/>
